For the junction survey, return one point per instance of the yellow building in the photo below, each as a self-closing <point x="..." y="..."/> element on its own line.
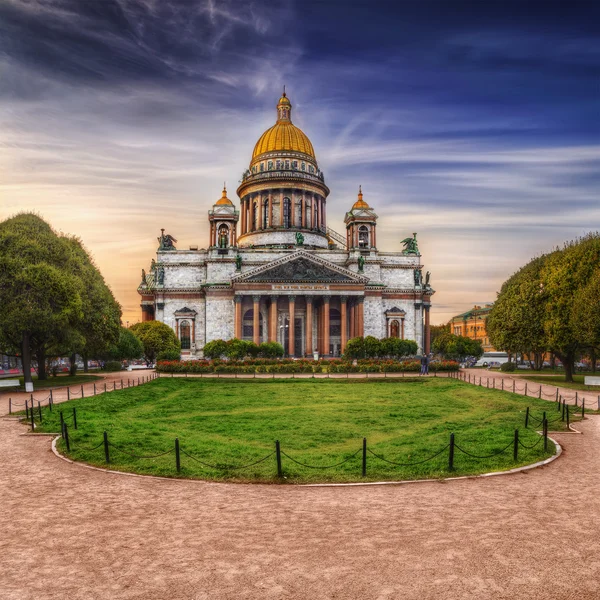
<point x="471" y="324"/>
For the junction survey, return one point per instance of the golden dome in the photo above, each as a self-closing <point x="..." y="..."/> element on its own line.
<point x="283" y="135"/>
<point x="224" y="200"/>
<point x="360" y="203"/>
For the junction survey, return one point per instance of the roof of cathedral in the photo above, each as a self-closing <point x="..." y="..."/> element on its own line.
<point x="224" y="199"/>
<point x="284" y="135"/>
<point x="360" y="203"/>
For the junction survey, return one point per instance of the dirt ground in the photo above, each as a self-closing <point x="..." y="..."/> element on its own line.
<point x="70" y="532"/>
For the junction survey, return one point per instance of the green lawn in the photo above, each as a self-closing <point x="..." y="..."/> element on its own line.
<point x="559" y="381"/>
<point x="235" y="422"/>
<point x="60" y="380"/>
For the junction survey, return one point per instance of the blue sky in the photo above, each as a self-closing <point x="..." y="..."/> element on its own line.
<point x="474" y="124"/>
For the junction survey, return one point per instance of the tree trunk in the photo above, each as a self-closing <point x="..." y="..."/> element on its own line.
<point x="567" y="362"/>
<point x="40" y="356"/>
<point x="26" y="360"/>
<point x="85" y="363"/>
<point x="73" y="367"/>
<point x="593" y="358"/>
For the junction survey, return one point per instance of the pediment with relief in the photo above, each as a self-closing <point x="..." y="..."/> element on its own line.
<point x="301" y="268"/>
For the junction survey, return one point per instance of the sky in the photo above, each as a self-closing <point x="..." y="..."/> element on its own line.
<point x="475" y="124"/>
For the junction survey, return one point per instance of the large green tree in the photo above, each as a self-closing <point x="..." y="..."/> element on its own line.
<point x="456" y="347"/>
<point x="128" y="346"/>
<point x="156" y="337"/>
<point x="39" y="295"/>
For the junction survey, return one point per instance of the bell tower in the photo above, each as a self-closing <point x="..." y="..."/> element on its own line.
<point x="360" y="226"/>
<point x="223" y="219"/>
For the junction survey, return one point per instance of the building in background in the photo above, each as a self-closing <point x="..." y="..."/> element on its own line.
<point x="275" y="271"/>
<point x="471" y="324"/>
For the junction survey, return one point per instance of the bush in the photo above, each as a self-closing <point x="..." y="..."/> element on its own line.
<point x="169" y="355"/>
<point x="112" y="365"/>
<point x="508" y="367"/>
<point x="270" y="350"/>
<point x="215" y="349"/>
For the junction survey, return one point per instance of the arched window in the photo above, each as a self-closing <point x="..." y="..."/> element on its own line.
<point x="185" y="335"/>
<point x="287" y="212"/>
<point x="287" y="164"/>
<point x="363" y="236"/>
<point x="223" y="236"/>
<point x="303" y="167"/>
<point x="265" y="215"/>
<point x="394" y="329"/>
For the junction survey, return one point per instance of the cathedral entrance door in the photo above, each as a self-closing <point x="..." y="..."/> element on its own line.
<point x="284" y="334"/>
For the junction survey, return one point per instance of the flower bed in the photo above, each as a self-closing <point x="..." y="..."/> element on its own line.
<point x="265" y="365"/>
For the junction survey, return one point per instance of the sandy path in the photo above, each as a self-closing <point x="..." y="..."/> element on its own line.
<point x="70" y="532"/>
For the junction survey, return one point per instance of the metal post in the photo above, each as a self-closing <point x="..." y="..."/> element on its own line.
<point x="516" y="447"/>
<point x="526" y="388"/>
<point x="557" y="394"/>
<point x="68" y="393"/>
<point x="559" y="401"/>
<point x="62" y="424"/>
<point x="576" y="397"/>
<point x="564" y="405"/>
<point x="451" y="454"/>
<point x="82" y="390"/>
<point x="278" y="456"/>
<point x="514" y="381"/>
<point x="106" y="454"/>
<point x="105" y="387"/>
<point x="40" y="411"/>
<point x="544" y="417"/>
<point x="121" y="384"/>
<point x="503" y="384"/>
<point x="27" y="409"/>
<point x="527" y="417"/>
<point x="583" y="409"/>
<point x="177" y="458"/>
<point x="545" y="429"/>
<point x="94" y="389"/>
<point x="51" y="398"/>
<point x="10" y="406"/>
<point x="66" y="436"/>
<point x="540" y="394"/>
<point x="114" y="385"/>
<point x="74" y="418"/>
<point x="32" y="418"/>
<point x="567" y="416"/>
<point x="364" y="458"/>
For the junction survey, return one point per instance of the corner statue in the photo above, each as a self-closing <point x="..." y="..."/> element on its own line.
<point x="238" y="262"/>
<point x="361" y="264"/>
<point x="299" y="239"/>
<point x="165" y="242"/>
<point x="143" y="276"/>
<point x="410" y="245"/>
<point x="427" y="278"/>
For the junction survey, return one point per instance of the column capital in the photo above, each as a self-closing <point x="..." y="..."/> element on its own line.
<point x="326" y="299"/>
<point x="309" y="299"/>
<point x="344" y="298"/>
<point x="360" y="299"/>
<point x="292" y="298"/>
<point x="256" y="298"/>
<point x="238" y="298"/>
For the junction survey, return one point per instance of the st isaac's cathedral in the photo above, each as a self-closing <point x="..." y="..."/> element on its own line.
<point x="275" y="271"/>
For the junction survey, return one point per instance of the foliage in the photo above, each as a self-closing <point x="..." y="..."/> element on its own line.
<point x="508" y="367"/>
<point x="156" y="337"/>
<point x="270" y="350"/>
<point x="128" y="346"/>
<point x="215" y="349"/>
<point x="239" y="349"/>
<point x="457" y="346"/>
<point x="168" y="355"/>
<point x="318" y="423"/>
<point x="552" y="305"/>
<point x="113" y="365"/>
<point x="371" y="347"/>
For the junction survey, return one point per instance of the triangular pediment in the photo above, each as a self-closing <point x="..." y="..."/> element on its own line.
<point x="301" y="267"/>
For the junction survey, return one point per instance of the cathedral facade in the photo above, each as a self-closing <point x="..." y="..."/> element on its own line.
<point x="275" y="271"/>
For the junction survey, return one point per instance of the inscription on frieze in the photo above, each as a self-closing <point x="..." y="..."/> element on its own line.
<point x="299" y="287"/>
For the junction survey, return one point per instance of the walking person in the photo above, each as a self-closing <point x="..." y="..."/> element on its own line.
<point x="427" y="361"/>
<point x="423" y="365"/>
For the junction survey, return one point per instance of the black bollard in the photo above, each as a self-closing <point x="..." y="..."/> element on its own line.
<point x="583" y="409"/>
<point x="564" y="408"/>
<point x="278" y="457"/>
<point x="66" y="436"/>
<point x="576" y="398"/>
<point x="545" y="430"/>
<point x="567" y="416"/>
<point x="177" y="458"/>
<point x="74" y="418"/>
<point x="516" y="446"/>
<point x="557" y="394"/>
<point x="559" y="402"/>
<point x="526" y="389"/>
<point x="32" y="418"/>
<point x="40" y="411"/>
<point x="51" y="397"/>
<point x="27" y="409"/>
<point x="527" y="417"/>
<point x="364" y="458"/>
<point x="68" y="393"/>
<point x="540" y="394"/>
<point x="94" y="389"/>
<point x="514" y="381"/>
<point x="106" y="454"/>
<point x="105" y="387"/>
<point x="451" y="454"/>
<point x="10" y="406"/>
<point x="62" y="424"/>
<point x="82" y="391"/>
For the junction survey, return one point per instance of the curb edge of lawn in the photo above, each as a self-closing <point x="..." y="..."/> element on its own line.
<point x="536" y="465"/>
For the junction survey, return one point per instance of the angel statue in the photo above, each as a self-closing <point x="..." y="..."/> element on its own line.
<point x="299" y="239"/>
<point x="238" y="262"/>
<point x="418" y="280"/>
<point x="143" y="276"/>
<point x="152" y="265"/>
<point x="160" y="273"/>
<point x="427" y="277"/>
<point x="165" y="242"/>
<point x="410" y="245"/>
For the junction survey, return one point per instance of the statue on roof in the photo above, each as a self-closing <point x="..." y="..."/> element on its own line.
<point x="427" y="278"/>
<point x="152" y="265"/>
<point x="143" y="276"/>
<point x="166" y="242"/>
<point x="418" y="277"/>
<point x="238" y="262"/>
<point x="299" y="239"/>
<point x="410" y="245"/>
<point x="160" y="275"/>
<point x="361" y="263"/>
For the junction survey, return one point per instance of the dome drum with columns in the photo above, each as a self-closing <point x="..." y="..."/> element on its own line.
<point x="275" y="271"/>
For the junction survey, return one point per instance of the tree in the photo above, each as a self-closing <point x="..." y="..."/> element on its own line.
<point x="239" y="349"/>
<point x="372" y="347"/>
<point x="128" y="346"/>
<point x="40" y="295"/>
<point x="437" y="330"/>
<point x="355" y="348"/>
<point x="156" y="337"/>
<point x="586" y="318"/>
<point x="457" y="347"/>
<point x="215" y="349"/>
